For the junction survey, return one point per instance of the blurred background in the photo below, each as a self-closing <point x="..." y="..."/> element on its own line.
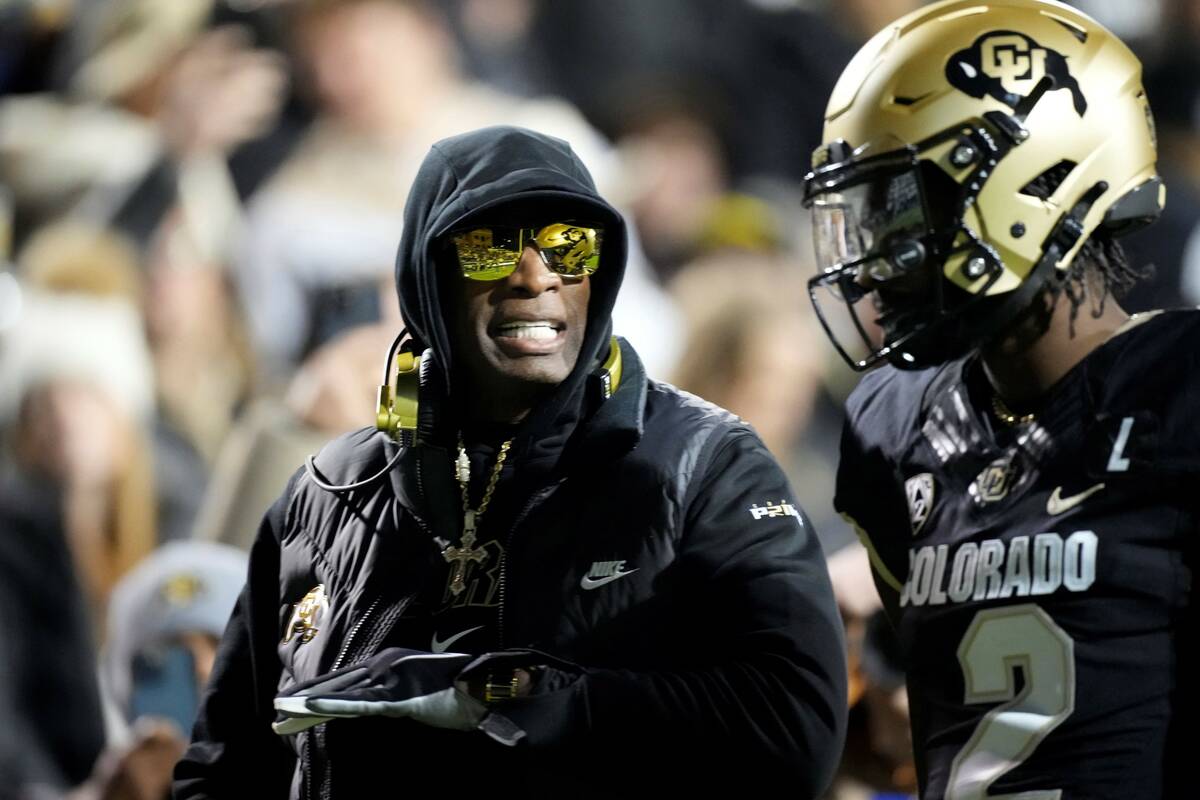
<point x="200" y="201"/>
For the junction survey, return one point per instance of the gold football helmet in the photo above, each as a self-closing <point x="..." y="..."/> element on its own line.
<point x="979" y="144"/>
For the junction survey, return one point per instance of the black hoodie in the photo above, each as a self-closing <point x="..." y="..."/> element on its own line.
<point x="653" y="561"/>
<point x="481" y="171"/>
<point x="484" y="172"/>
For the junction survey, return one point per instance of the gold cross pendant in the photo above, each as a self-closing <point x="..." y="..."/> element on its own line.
<point x="461" y="556"/>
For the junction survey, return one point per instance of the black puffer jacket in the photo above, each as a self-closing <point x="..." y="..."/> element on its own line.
<point x="716" y="660"/>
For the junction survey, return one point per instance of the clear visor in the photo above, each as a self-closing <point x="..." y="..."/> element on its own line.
<point x="869" y="218"/>
<point x="867" y="231"/>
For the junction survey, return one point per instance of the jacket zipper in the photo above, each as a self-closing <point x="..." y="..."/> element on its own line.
<point x="420" y="480"/>
<point x="534" y="498"/>
<point x="354" y="632"/>
<point x="416" y="517"/>
<point x="369" y="640"/>
<point x="308" y="743"/>
<point x="375" y="603"/>
<point x="308" y="766"/>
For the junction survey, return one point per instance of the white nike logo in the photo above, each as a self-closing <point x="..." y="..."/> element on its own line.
<point x="595" y="583"/>
<point x="1057" y="504"/>
<point x="440" y="647"/>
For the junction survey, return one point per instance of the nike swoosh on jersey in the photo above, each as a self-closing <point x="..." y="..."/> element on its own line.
<point x="440" y="647"/>
<point x="1057" y="504"/>
<point x="595" y="583"/>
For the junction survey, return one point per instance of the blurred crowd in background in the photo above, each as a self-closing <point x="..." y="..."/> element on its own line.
<point x="200" y="202"/>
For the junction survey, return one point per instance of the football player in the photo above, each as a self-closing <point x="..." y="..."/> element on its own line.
<point x="1023" y="464"/>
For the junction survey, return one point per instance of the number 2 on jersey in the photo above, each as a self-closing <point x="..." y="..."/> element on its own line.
<point x="997" y="641"/>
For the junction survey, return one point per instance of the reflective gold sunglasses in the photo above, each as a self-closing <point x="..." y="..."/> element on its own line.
<point x="490" y="253"/>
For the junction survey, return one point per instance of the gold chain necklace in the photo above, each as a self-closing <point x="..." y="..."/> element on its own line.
<point x="1007" y="415"/>
<point x="466" y="552"/>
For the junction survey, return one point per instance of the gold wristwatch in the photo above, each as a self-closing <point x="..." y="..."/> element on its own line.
<point x="501" y="686"/>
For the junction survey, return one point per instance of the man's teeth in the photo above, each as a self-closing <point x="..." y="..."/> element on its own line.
<point x="529" y="330"/>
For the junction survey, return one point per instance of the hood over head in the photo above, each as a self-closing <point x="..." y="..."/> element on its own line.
<point x="484" y="172"/>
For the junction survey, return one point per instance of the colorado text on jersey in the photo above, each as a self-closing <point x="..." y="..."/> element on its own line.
<point x="998" y="569"/>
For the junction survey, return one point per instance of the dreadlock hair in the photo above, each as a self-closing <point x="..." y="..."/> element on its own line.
<point x="1100" y="264"/>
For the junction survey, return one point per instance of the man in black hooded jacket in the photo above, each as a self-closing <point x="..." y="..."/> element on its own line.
<point x="569" y="580"/>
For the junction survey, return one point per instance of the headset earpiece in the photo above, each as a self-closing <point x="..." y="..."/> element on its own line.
<point x="610" y="371"/>
<point x="397" y="409"/>
<point x="605" y="379"/>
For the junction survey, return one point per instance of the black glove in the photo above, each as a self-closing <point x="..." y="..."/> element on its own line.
<point x="396" y="682"/>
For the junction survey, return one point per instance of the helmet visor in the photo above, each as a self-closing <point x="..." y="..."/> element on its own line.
<point x="870" y="228"/>
<point x="871" y="218"/>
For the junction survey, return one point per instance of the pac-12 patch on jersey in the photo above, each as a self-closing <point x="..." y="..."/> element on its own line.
<point x="919" y="489"/>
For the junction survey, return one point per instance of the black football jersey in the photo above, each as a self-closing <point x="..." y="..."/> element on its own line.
<point x="1039" y="575"/>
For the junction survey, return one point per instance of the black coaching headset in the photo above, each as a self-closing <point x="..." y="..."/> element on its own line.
<point x="396" y="413"/>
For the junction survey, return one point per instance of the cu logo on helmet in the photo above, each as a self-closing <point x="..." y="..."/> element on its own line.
<point x="1007" y="65"/>
<point x="1010" y="59"/>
